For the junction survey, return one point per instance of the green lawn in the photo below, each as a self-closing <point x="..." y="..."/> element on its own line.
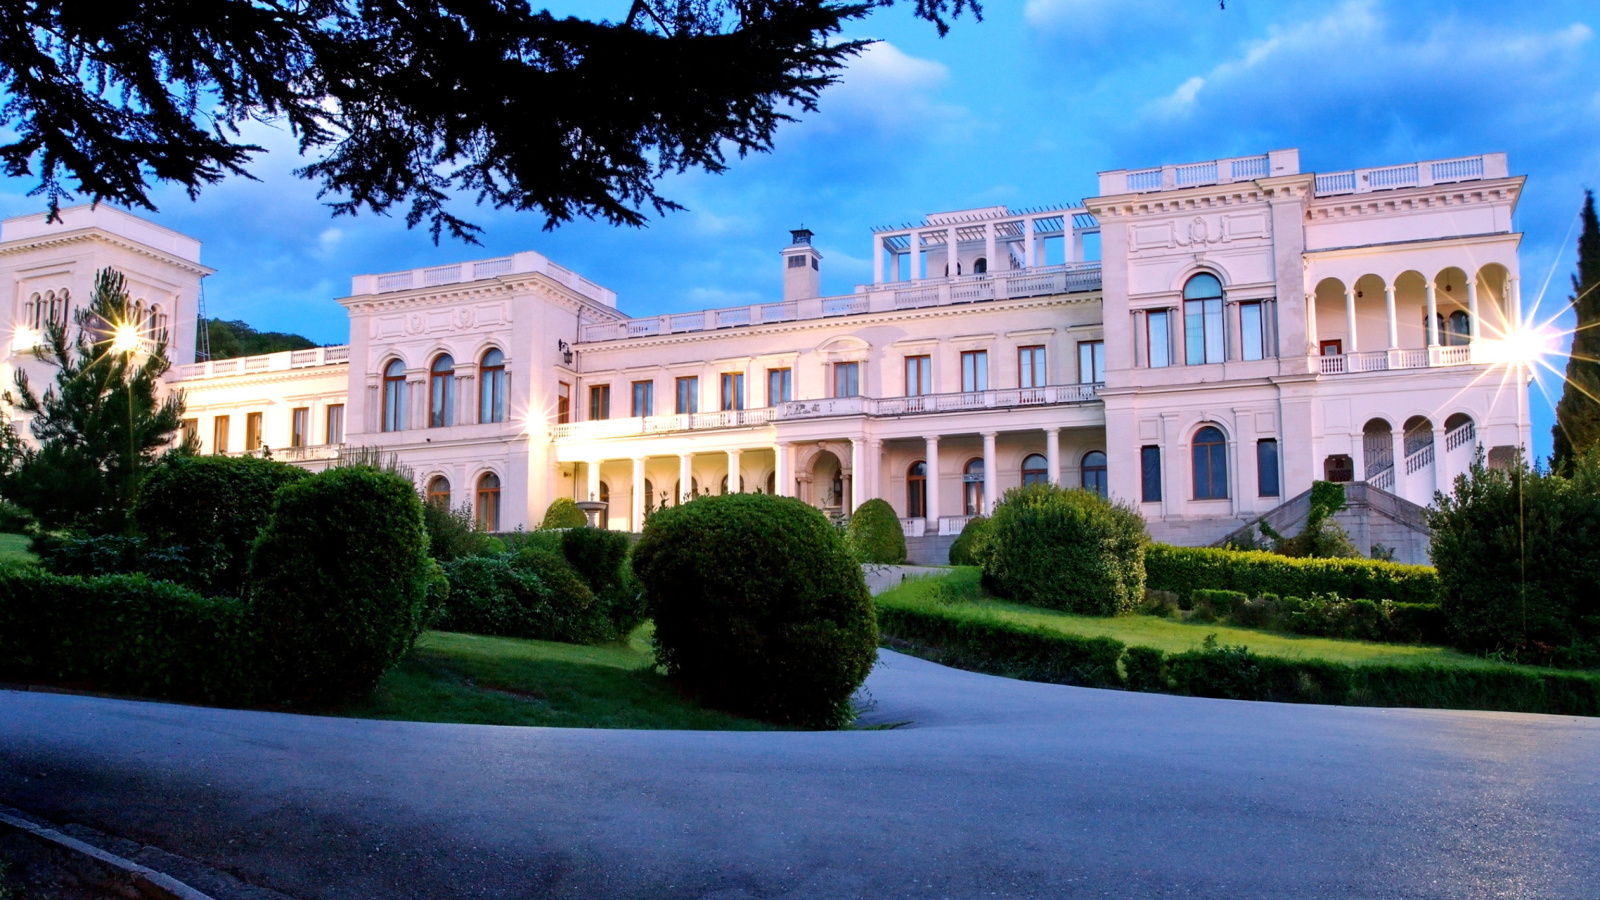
<point x="467" y="678"/>
<point x="960" y="592"/>
<point x="14" y="549"/>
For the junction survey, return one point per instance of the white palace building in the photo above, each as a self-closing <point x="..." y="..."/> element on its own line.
<point x="1247" y="328"/>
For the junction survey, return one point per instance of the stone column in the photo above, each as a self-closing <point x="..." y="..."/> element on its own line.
<point x="636" y="513"/>
<point x="1027" y="243"/>
<point x="1398" y="437"/>
<point x="1052" y="453"/>
<point x="990" y="476"/>
<point x="1441" y="472"/>
<point x="466" y="411"/>
<point x="685" y="477"/>
<point x="1311" y="326"/>
<point x="1141" y="353"/>
<point x="877" y="259"/>
<point x="1472" y="305"/>
<point x="1514" y="301"/>
<point x="914" y="256"/>
<point x="871" y="475"/>
<point x="1433" y="314"/>
<point x="781" y="481"/>
<point x="1394" y="325"/>
<point x="952" y="258"/>
<point x="988" y="245"/>
<point x="1350" y="318"/>
<point x="932" y="463"/>
<point x="592" y="492"/>
<point x="733" y="471"/>
<point x="858" y="460"/>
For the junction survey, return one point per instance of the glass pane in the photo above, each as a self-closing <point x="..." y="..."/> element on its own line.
<point x="1160" y="341"/>
<point x="1194" y="333"/>
<point x="1215" y="351"/>
<point x="1250" y="339"/>
<point x="1150" y="473"/>
<point x="1219" y="471"/>
<point x="1100" y="362"/>
<point x="1267" y="467"/>
<point x="980" y="370"/>
<point x="1202" y="286"/>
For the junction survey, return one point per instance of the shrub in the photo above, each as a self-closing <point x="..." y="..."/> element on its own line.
<point x="971" y="547"/>
<point x="14" y="519"/>
<point x="600" y="557"/>
<point x="1146" y="669"/>
<point x="1209" y="606"/>
<point x="1518" y="560"/>
<point x="454" y="533"/>
<point x="340" y="581"/>
<point x="1321" y="537"/>
<point x="759" y="606"/>
<point x="212" y="507"/>
<point x="125" y="634"/>
<point x="1187" y="569"/>
<point x="1067" y="549"/>
<point x="564" y="513"/>
<point x="1001" y="648"/>
<point x="89" y="556"/>
<point x="875" y="534"/>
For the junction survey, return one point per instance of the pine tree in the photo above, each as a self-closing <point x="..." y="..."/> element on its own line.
<point x="1577" y="425"/>
<point x="100" y="426"/>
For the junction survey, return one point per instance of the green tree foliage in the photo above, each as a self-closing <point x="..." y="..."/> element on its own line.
<point x="564" y="513"/>
<point x="234" y="338"/>
<point x="1321" y="538"/>
<point x="100" y="426"/>
<point x="1577" y="427"/>
<point x="411" y="103"/>
<point x="340" y="581"/>
<point x="759" y="607"/>
<point x="1068" y="549"/>
<point x="454" y="533"/>
<point x="1519" y="563"/>
<point x="875" y="534"/>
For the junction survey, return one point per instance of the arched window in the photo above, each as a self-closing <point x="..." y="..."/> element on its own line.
<point x="33" y="312"/>
<point x="1035" y="470"/>
<point x="489" y="502"/>
<point x="605" y="497"/>
<point x="54" y="304"/>
<point x="917" y="490"/>
<point x="772" y="484"/>
<point x="972" y="487"/>
<point x="677" y="490"/>
<point x="1459" y="329"/>
<point x="650" y="498"/>
<point x="153" y="321"/>
<point x="439" y="491"/>
<point x="725" y="484"/>
<point x="492" y="387"/>
<point x="1210" y="464"/>
<point x="980" y="266"/>
<point x="1094" y="472"/>
<point x="442" y="392"/>
<point x="1202" y="320"/>
<point x="394" y="396"/>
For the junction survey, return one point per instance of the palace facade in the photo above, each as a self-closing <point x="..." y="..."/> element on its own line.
<point x="1201" y="341"/>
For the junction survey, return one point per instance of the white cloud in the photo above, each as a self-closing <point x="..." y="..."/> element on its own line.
<point x="887" y="90"/>
<point x="328" y="241"/>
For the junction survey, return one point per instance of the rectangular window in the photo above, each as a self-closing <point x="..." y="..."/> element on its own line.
<point x="732" y="391"/>
<point x="252" y="431"/>
<point x="1202" y="331"/>
<point x="644" y="398"/>
<point x="1252" y="338"/>
<point x="974" y="371"/>
<point x="219" y="434"/>
<point x="780" y="387"/>
<point x="1267" y="467"/>
<point x="919" y="375"/>
<point x="1158" y="337"/>
<point x="300" y="427"/>
<point x="847" y="379"/>
<point x="688" y="396"/>
<point x="599" y="401"/>
<point x="1091" y="362"/>
<point x="190" y="431"/>
<point x="1150" y="474"/>
<point x="563" y="403"/>
<point x="336" y="423"/>
<point x="1030" y="367"/>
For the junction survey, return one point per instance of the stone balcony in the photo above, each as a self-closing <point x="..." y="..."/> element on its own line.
<point x="799" y="410"/>
<point x="1039" y="281"/>
<point x="267" y="362"/>
<point x="1478" y="353"/>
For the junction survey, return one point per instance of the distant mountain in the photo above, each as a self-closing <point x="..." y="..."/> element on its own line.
<point x="233" y="339"/>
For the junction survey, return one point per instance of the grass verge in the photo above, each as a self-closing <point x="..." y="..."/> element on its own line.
<point x="14" y="549"/>
<point x="949" y="619"/>
<point x="471" y="679"/>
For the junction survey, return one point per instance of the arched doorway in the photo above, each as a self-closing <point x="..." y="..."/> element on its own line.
<point x="827" y="483"/>
<point x="917" y="490"/>
<point x="972" y="476"/>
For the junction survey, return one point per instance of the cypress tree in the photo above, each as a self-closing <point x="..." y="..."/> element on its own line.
<point x="1577" y="427"/>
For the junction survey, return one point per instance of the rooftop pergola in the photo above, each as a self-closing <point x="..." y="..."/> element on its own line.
<point x="1019" y="232"/>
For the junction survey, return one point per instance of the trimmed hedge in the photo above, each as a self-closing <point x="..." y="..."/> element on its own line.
<point x="125" y="634"/>
<point x="875" y="534"/>
<point x="1067" y="549"/>
<point x="1001" y="648"/>
<point x="971" y="547"/>
<point x="564" y="513"/>
<point x="1184" y="570"/>
<point x="759" y="607"/>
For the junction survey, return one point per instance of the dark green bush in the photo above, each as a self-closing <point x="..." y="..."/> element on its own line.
<point x="1187" y="569"/>
<point x="1211" y="606"/>
<point x="1066" y="549"/>
<point x="875" y="534"/>
<point x="340" y="581"/>
<point x="564" y="513"/>
<point x="1257" y="612"/>
<point x="1518" y="553"/>
<point x="759" y="607"/>
<point x="489" y="595"/>
<point x="971" y="547"/>
<point x="1004" y="648"/>
<point x="125" y="634"/>
<point x="600" y="557"/>
<point x="90" y="556"/>
<point x="1146" y="669"/>
<point x="1418" y="623"/>
<point x="212" y="507"/>
<point x="454" y="533"/>
<point x="14" y="519"/>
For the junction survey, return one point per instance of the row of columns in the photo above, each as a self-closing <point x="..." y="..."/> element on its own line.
<point x="990" y="245"/>
<point x="1513" y="290"/>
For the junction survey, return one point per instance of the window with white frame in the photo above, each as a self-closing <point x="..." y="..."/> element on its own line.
<point x="1203" y="336"/>
<point x="1091" y="362"/>
<point x="1158" y="338"/>
<point x="974" y="371"/>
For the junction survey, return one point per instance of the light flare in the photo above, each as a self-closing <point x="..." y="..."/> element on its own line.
<point x="125" y="339"/>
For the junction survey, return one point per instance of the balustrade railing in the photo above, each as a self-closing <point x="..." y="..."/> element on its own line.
<point x="1417" y="174"/>
<point x="1460" y="436"/>
<point x="1383" y="479"/>
<point x="1406" y="358"/>
<point x="913" y="527"/>
<point x="953" y="524"/>
<point x="1421" y="459"/>
<point x="269" y="362"/>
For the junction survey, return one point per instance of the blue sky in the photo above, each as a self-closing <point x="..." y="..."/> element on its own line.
<point x="1021" y="109"/>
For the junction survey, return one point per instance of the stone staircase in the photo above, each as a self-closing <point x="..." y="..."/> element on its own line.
<point x="1370" y="516"/>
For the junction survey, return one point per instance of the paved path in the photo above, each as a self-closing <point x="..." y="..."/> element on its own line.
<point x="997" y="788"/>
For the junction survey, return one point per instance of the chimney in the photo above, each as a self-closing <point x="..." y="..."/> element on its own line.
<point x="802" y="271"/>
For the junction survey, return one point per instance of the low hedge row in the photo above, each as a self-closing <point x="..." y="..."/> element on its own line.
<point x="998" y="647"/>
<point x="1384" y="621"/>
<point x="1184" y="570"/>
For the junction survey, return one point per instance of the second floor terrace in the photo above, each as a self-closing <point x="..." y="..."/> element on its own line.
<point x="281" y="361"/>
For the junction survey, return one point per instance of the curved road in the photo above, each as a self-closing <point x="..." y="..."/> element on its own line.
<point x="997" y="788"/>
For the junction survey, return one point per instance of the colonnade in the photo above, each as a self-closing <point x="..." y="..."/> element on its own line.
<point x="1512" y="311"/>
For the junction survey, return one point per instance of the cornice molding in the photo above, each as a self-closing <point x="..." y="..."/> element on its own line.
<point x="496" y="288"/>
<point x="87" y="235"/>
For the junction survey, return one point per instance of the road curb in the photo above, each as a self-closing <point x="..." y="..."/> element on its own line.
<point x="115" y="871"/>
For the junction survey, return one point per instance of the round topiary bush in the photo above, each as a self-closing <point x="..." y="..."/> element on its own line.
<point x="339" y="582"/>
<point x="875" y="534"/>
<point x="1066" y="549"/>
<point x="759" y="607"/>
<point x="564" y="513"/>
<point x="971" y="547"/>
